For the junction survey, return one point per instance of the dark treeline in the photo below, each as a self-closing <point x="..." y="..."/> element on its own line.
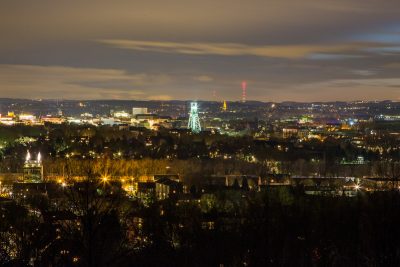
<point x="98" y="226"/>
<point x="278" y="229"/>
<point x="191" y="171"/>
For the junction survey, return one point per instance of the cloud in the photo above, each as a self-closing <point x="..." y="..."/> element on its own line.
<point x="203" y="78"/>
<point x="224" y="20"/>
<point x="339" y="89"/>
<point x="236" y="49"/>
<point x="284" y="47"/>
<point x="392" y="65"/>
<point x="326" y="56"/>
<point x="366" y="82"/>
<point x="364" y="72"/>
<point x="31" y="81"/>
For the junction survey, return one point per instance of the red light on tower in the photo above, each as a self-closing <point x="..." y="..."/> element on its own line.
<point x="244" y="86"/>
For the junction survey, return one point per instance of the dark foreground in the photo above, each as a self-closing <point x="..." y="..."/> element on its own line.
<point x="277" y="227"/>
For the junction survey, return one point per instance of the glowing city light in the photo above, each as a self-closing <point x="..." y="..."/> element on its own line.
<point x="194" y="120"/>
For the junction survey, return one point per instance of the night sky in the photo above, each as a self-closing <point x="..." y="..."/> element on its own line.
<point x="298" y="50"/>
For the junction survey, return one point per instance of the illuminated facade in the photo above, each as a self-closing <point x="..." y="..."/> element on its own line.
<point x="33" y="169"/>
<point x="121" y="114"/>
<point x="137" y="111"/>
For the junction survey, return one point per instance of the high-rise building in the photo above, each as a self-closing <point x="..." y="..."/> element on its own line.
<point x="194" y="120"/>
<point x="224" y="106"/>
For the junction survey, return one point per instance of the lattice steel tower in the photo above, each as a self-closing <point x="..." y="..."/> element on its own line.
<point x="194" y="120"/>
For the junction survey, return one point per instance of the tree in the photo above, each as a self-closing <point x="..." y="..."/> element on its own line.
<point x="245" y="184"/>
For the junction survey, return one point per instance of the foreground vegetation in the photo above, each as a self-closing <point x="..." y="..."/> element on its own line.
<point x="96" y="225"/>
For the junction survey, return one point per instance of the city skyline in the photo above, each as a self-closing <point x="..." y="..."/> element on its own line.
<point x="305" y="51"/>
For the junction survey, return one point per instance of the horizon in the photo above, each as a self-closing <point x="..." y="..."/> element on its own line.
<point x="204" y="100"/>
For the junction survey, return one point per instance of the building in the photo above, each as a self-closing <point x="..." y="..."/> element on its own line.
<point x="137" y="111"/>
<point x="165" y="187"/>
<point x="151" y="121"/>
<point x="290" y="132"/>
<point x="7" y="120"/>
<point x="33" y="169"/>
<point x="53" y="119"/>
<point x="358" y="161"/>
<point x="146" y="190"/>
<point x="27" y="118"/>
<point x="142" y="117"/>
<point x="276" y="179"/>
<point x="26" y="190"/>
<point x="121" y="115"/>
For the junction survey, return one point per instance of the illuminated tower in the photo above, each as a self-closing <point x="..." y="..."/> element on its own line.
<point x="224" y="106"/>
<point x="194" y="120"/>
<point x="244" y="86"/>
